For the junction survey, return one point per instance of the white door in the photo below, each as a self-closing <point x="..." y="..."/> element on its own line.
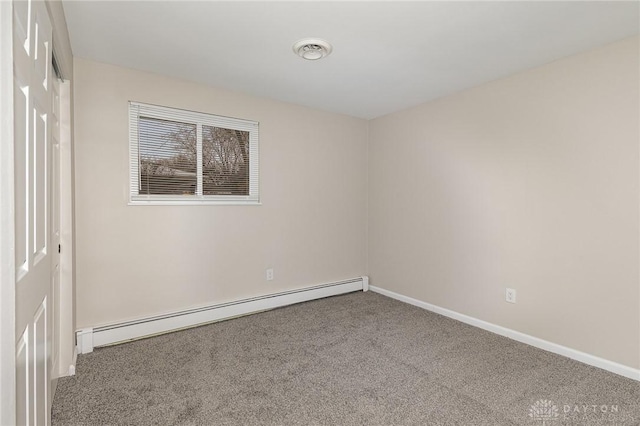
<point x="33" y="243"/>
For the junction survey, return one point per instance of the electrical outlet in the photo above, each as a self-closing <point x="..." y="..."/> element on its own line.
<point x="270" y="274"/>
<point x="510" y="295"/>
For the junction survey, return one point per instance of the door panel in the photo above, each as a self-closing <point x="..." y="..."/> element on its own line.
<point x="40" y="362"/>
<point x="32" y="147"/>
<point x="40" y="190"/>
<point x="24" y="399"/>
<point x="21" y="134"/>
<point x="21" y="25"/>
<point x="42" y="54"/>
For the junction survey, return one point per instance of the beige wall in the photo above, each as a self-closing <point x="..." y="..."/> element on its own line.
<point x="529" y="182"/>
<point x="134" y="261"/>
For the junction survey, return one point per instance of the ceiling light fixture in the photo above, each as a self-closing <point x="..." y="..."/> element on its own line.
<point x="312" y="48"/>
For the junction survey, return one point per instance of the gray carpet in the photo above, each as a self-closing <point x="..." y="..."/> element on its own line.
<point x="357" y="359"/>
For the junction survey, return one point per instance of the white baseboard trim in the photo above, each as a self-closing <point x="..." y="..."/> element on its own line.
<point x="89" y="338"/>
<point x="72" y="367"/>
<point x="583" y="357"/>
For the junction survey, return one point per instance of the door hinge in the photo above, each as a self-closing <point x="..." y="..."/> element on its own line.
<point x="59" y="248"/>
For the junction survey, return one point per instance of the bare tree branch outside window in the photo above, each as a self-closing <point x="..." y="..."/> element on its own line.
<point x="169" y="158"/>
<point x="225" y="161"/>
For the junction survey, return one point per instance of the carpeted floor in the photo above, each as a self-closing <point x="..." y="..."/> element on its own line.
<point x="357" y="359"/>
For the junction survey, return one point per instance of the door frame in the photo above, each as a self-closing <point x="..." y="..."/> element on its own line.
<point x="7" y="222"/>
<point x="66" y="304"/>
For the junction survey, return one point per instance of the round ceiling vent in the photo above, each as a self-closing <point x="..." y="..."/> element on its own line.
<point x="312" y="48"/>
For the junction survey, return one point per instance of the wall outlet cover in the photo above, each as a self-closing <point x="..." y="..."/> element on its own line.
<point x="510" y="295"/>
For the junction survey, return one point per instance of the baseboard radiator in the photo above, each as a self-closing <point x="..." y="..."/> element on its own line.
<point x="89" y="338"/>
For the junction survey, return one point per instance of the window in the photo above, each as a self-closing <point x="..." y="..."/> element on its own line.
<point x="186" y="157"/>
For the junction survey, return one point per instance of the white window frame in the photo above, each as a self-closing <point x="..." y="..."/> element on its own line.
<point x="137" y="109"/>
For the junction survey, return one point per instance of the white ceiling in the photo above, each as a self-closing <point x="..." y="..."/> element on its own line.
<point x="387" y="56"/>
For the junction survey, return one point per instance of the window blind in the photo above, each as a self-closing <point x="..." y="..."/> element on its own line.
<point x="184" y="157"/>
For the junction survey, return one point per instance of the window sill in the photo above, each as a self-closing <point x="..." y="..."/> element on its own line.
<point x="194" y="203"/>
